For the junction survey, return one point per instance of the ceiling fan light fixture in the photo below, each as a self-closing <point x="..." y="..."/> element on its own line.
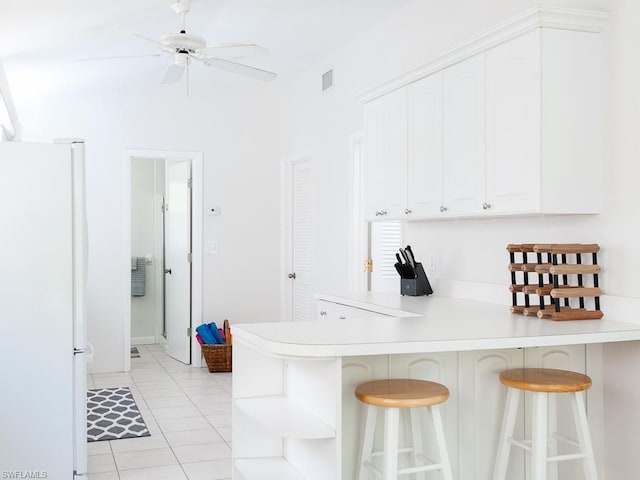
<point x="183" y="41"/>
<point x="181" y="59"/>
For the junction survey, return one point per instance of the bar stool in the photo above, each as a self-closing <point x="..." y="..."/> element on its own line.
<point x="393" y="395"/>
<point x="542" y="382"/>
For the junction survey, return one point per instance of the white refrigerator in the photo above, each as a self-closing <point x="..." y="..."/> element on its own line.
<point x="43" y="271"/>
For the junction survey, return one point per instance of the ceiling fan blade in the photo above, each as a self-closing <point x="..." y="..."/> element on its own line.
<point x="240" y="68"/>
<point x="174" y="73"/>
<point x="90" y="59"/>
<point x="160" y="45"/>
<point x="231" y="51"/>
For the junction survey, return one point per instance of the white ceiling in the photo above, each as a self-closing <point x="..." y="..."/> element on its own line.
<point x="40" y="36"/>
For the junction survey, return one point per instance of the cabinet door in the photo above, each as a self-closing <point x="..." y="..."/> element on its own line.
<point x="356" y="370"/>
<point x="372" y="172"/>
<point x="566" y="357"/>
<point x="464" y="137"/>
<point x="435" y="367"/>
<point x="394" y="163"/>
<point x="482" y="402"/>
<point x="513" y="76"/>
<point x="385" y="170"/>
<point x="424" y="163"/>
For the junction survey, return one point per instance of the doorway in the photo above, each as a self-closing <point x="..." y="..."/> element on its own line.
<point x="147" y="251"/>
<point x="163" y="238"/>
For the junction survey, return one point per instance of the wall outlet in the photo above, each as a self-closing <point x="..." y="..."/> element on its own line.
<point x="433" y="264"/>
<point x="213" y="248"/>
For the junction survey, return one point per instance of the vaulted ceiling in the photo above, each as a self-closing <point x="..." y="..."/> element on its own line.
<point x="46" y="35"/>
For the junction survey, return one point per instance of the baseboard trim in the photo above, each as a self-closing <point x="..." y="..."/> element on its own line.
<point x="143" y="340"/>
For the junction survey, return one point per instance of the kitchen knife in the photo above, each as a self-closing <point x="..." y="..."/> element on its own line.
<point x="411" y="273"/>
<point x="399" y="269"/>
<point x="398" y="258"/>
<point x="404" y="255"/>
<point x="412" y="258"/>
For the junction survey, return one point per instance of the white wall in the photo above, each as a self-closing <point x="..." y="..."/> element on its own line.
<point x="147" y="188"/>
<point x="233" y="124"/>
<point x="423" y="30"/>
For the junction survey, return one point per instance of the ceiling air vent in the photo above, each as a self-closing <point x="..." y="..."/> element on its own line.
<point x="327" y="80"/>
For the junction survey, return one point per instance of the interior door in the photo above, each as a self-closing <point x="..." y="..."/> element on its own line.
<point x="178" y="259"/>
<point x="301" y="235"/>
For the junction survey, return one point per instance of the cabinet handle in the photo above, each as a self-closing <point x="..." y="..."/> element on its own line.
<point x="341" y="317"/>
<point x="322" y="313"/>
<point x="407" y="211"/>
<point x="383" y="212"/>
<point x="292" y="276"/>
<point x="486" y="205"/>
<point x="443" y="209"/>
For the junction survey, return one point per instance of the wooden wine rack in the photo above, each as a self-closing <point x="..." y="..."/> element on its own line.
<point x="559" y="288"/>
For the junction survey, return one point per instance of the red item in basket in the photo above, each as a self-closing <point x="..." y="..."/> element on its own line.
<point x="222" y="335"/>
<point x="199" y="338"/>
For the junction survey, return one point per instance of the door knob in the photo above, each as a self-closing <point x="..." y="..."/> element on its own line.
<point x="292" y="275"/>
<point x="167" y="270"/>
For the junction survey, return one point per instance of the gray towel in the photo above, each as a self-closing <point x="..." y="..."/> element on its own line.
<point x="138" y="278"/>
<point x="134" y="263"/>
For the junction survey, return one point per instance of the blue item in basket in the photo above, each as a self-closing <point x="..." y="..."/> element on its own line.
<point x="206" y="334"/>
<point x="216" y="333"/>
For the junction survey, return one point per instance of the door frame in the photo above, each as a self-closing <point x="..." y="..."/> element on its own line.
<point x="196" y="159"/>
<point x="286" y="228"/>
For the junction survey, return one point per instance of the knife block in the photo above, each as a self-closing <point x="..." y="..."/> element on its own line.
<point x="418" y="286"/>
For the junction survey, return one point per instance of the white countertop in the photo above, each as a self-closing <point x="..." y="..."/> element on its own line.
<point x="441" y="325"/>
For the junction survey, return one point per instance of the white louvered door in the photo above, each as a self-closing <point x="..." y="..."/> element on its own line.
<point x="301" y="242"/>
<point x="386" y="239"/>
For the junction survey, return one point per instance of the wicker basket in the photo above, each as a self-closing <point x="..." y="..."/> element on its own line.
<point x="218" y="357"/>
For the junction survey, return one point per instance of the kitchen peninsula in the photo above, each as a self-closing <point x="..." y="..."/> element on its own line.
<point x="295" y="415"/>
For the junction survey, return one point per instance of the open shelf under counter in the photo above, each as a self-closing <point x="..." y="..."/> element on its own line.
<point x="266" y="469"/>
<point x="284" y="417"/>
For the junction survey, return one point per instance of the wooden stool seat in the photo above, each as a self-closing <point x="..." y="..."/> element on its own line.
<point x="546" y="380"/>
<point x="402" y="393"/>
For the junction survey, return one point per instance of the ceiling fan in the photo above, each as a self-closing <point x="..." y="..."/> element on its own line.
<point x="186" y="47"/>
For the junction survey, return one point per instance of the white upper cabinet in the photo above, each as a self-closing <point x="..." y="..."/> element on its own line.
<point x="464" y="137"/>
<point x="372" y="166"/>
<point x="513" y="81"/>
<point x="424" y="168"/>
<point x="385" y="169"/>
<point x="509" y="124"/>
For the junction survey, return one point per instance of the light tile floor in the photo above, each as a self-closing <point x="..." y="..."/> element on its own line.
<point x="188" y="412"/>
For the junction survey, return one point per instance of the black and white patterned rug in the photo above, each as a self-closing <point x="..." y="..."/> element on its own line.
<point x="112" y="414"/>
